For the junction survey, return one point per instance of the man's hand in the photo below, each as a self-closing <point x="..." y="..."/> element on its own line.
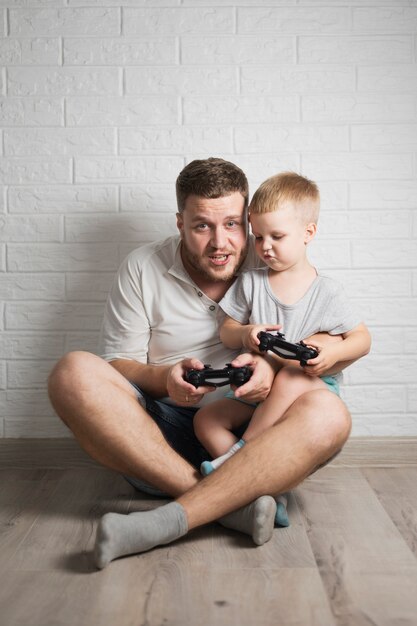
<point x="250" y="334"/>
<point x="259" y="385"/>
<point x="179" y="390"/>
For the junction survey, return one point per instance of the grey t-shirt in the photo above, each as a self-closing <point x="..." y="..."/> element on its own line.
<point x="323" y="308"/>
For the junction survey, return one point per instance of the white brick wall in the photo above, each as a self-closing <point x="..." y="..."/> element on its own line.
<point x="103" y="102"/>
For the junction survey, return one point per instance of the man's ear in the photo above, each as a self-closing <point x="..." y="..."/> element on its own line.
<point x="180" y="222"/>
<point x="310" y="232"/>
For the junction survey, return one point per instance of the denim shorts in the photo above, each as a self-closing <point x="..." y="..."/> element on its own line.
<point x="176" y="425"/>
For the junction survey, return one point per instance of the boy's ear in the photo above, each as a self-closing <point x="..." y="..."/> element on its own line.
<point x="310" y="232"/>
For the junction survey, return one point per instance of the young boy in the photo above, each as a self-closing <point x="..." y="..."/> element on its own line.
<point x="289" y="295"/>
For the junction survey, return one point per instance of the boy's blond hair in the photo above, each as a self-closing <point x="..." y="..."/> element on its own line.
<point x="288" y="187"/>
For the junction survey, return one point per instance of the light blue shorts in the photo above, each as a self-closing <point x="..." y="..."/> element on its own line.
<point x="331" y="383"/>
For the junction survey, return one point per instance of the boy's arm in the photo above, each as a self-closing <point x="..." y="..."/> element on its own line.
<point x="336" y="356"/>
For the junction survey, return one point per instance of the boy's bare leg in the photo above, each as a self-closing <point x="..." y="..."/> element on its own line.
<point x="289" y="384"/>
<point x="214" y="423"/>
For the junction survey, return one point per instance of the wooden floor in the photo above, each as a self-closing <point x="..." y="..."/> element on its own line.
<point x="348" y="558"/>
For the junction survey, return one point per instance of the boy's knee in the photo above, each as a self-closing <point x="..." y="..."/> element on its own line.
<point x="206" y="424"/>
<point x="290" y="377"/>
<point x="201" y="422"/>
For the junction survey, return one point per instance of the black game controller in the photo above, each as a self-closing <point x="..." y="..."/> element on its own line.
<point x="287" y="350"/>
<point x="228" y="375"/>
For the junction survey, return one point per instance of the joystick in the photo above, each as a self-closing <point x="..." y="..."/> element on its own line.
<point x="287" y="350"/>
<point x="218" y="378"/>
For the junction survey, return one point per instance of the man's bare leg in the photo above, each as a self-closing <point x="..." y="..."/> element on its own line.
<point x="315" y="427"/>
<point x="100" y="407"/>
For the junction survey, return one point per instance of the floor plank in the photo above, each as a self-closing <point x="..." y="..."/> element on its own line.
<point x="65" y="452"/>
<point x="396" y="489"/>
<point x="208" y="597"/>
<point x="348" y="558"/>
<point x="289" y="547"/>
<point x="69" y="519"/>
<point x="367" y="568"/>
<point x="23" y="496"/>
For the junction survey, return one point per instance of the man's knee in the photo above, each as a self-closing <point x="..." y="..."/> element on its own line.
<point x="70" y="369"/>
<point x="327" y="418"/>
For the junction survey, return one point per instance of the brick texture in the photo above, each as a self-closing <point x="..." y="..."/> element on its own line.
<point x="101" y="105"/>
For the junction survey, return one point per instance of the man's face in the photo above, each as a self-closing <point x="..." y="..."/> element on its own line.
<point x="214" y="236"/>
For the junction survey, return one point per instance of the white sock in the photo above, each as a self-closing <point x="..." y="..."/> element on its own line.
<point x="209" y="466"/>
<point x="221" y="459"/>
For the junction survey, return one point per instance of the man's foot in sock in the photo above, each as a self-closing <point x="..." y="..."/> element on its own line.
<point x="209" y="466"/>
<point x="119" y="535"/>
<point x="255" y="519"/>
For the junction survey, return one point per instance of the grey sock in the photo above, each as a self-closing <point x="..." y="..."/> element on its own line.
<point x="255" y="519"/>
<point x="118" y="535"/>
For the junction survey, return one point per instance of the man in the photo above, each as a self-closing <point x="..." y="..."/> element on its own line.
<point x="134" y="415"/>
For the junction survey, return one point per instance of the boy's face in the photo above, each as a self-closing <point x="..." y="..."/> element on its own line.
<point x="281" y="237"/>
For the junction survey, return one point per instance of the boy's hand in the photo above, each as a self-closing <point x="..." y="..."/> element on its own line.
<point x="324" y="361"/>
<point x="250" y="334"/>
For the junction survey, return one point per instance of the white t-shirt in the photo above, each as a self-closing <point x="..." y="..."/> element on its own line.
<point x="156" y="314"/>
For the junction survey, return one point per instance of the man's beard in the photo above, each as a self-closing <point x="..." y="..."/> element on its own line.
<point x="223" y="274"/>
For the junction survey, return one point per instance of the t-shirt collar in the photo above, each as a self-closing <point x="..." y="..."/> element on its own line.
<point x="177" y="269"/>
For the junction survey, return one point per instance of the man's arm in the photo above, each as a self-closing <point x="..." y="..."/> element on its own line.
<point x="151" y="378"/>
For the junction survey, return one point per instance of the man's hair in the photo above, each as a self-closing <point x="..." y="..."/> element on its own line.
<point x="288" y="187"/>
<point x="210" y="178"/>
